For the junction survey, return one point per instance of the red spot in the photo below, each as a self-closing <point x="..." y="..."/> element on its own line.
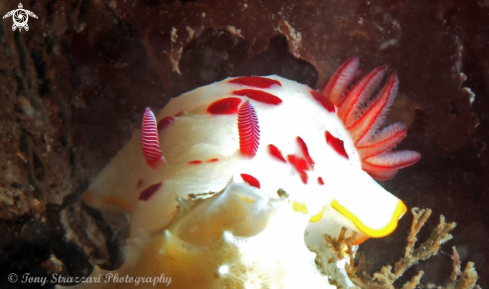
<point x="228" y="105"/>
<point x="305" y="151"/>
<point x="212" y="160"/>
<point x="255" y="81"/>
<point x="259" y="95"/>
<point x="249" y="131"/>
<point x="325" y="102"/>
<point x="336" y="144"/>
<point x="164" y="122"/>
<point x="304" y="177"/>
<point x="300" y="165"/>
<point x="194" y="162"/>
<point x="320" y="181"/>
<point x="274" y="151"/>
<point x="139" y="184"/>
<point x="149" y="141"/>
<point x="149" y="192"/>
<point x="251" y="180"/>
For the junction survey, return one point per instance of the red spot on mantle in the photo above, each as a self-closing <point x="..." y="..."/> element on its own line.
<point x="274" y="151"/>
<point x="139" y="184"/>
<point x="336" y="144"/>
<point x="305" y="151"/>
<point x="149" y="192"/>
<point x="300" y="165"/>
<point x="320" y="181"/>
<point x="164" y="122"/>
<point x="325" y="102"/>
<point x="212" y="160"/>
<point x="251" y="180"/>
<point x="255" y="81"/>
<point x="194" y="162"/>
<point x="259" y="95"/>
<point x="228" y="105"/>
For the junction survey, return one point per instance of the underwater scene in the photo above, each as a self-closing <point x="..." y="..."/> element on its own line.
<point x="244" y="144"/>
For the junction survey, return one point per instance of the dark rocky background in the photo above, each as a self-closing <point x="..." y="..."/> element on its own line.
<point x="73" y="85"/>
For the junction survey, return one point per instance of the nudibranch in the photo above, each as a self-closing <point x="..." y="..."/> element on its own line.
<point x="231" y="183"/>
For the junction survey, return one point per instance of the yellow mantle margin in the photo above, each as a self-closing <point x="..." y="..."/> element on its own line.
<point x="374" y="233"/>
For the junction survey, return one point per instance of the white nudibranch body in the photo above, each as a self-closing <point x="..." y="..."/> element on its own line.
<point x="256" y="170"/>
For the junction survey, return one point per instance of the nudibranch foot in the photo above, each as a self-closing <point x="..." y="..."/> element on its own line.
<point x="238" y="238"/>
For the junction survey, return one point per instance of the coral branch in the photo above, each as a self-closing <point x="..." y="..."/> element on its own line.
<point x="337" y="244"/>
<point x="419" y="219"/>
<point x="385" y="278"/>
<point x="327" y="266"/>
<point x="414" y="282"/>
<point x="467" y="278"/>
<point x="456" y="266"/>
<point x="430" y="247"/>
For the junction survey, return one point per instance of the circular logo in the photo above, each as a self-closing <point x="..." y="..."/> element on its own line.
<point x="12" y="277"/>
<point x="20" y="17"/>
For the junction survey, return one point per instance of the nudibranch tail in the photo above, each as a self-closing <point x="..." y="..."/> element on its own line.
<point x="363" y="115"/>
<point x="149" y="141"/>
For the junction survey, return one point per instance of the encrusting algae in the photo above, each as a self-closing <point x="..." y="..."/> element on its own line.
<point x="243" y="184"/>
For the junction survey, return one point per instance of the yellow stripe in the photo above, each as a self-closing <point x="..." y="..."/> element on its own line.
<point x="299" y="207"/>
<point x="318" y="216"/>
<point x="374" y="233"/>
